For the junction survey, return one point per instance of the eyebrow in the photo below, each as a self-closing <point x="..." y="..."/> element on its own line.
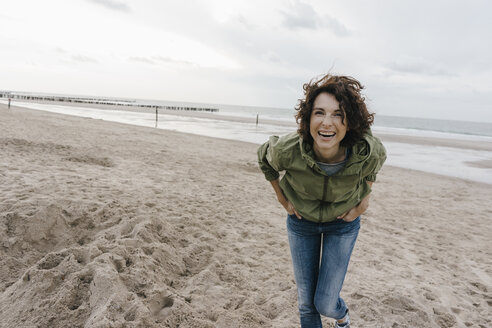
<point x="319" y="108"/>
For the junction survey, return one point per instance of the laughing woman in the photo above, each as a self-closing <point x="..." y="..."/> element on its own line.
<point x="330" y="164"/>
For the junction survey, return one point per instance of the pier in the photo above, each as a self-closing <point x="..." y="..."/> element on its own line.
<point x="99" y="101"/>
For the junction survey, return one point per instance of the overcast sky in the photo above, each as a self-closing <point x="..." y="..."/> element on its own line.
<point x="416" y="58"/>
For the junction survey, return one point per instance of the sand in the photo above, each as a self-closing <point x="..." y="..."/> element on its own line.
<point x="110" y="225"/>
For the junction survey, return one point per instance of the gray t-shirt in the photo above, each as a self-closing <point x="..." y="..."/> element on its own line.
<point x="331" y="169"/>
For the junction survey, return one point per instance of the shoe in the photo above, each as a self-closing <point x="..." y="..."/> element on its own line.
<point x="346" y="324"/>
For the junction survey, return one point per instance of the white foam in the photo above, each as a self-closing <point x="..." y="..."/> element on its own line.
<point x="440" y="160"/>
<point x="430" y="134"/>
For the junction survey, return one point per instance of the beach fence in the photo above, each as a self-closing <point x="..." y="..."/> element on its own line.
<point x="8" y="95"/>
<point x="102" y="101"/>
<point x="108" y="102"/>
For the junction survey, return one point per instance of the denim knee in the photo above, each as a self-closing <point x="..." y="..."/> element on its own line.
<point x="307" y="308"/>
<point x="330" y="307"/>
<point x="305" y="302"/>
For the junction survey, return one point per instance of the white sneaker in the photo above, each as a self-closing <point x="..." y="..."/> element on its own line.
<point x="345" y="324"/>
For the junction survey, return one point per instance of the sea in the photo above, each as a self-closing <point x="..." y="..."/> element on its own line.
<point x="449" y="161"/>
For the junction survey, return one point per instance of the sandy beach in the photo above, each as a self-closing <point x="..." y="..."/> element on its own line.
<point x="104" y="224"/>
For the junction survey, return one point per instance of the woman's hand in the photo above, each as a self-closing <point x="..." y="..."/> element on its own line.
<point x="290" y="209"/>
<point x="284" y="201"/>
<point x="351" y="215"/>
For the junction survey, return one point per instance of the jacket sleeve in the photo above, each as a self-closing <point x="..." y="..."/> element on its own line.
<point x="269" y="159"/>
<point x="375" y="162"/>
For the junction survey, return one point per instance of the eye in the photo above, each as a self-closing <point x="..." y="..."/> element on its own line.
<point x="319" y="112"/>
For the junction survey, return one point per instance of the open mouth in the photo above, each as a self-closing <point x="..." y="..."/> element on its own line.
<point x="326" y="134"/>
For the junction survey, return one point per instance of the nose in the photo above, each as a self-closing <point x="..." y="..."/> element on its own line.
<point x="327" y="120"/>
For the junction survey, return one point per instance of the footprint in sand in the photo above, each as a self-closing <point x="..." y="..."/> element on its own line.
<point x="160" y="305"/>
<point x="51" y="260"/>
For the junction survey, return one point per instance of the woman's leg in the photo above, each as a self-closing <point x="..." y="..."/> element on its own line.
<point x="338" y="243"/>
<point x="305" y="245"/>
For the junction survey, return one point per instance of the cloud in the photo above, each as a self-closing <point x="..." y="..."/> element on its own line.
<point x="271" y="56"/>
<point x="5" y="17"/>
<point x="113" y="5"/>
<point x="154" y="60"/>
<point x="84" y="59"/>
<point x="169" y="60"/>
<point x="336" y="26"/>
<point x="242" y="20"/>
<point x="145" y="60"/>
<point x="303" y="15"/>
<point x="419" y="65"/>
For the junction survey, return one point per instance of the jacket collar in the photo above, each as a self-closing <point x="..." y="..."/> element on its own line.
<point x="359" y="152"/>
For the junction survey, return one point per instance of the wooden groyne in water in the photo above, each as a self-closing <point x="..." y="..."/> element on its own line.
<point x="100" y="101"/>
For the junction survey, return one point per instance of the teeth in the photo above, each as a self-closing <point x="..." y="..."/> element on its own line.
<point x="326" y="134"/>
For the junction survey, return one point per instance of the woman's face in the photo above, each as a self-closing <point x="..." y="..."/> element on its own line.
<point x="326" y="126"/>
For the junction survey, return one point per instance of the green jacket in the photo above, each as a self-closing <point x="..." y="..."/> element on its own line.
<point x="315" y="195"/>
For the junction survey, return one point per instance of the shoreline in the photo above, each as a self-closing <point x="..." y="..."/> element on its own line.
<point x="405" y="139"/>
<point x="470" y="159"/>
<point x="415" y="140"/>
<point x="384" y="136"/>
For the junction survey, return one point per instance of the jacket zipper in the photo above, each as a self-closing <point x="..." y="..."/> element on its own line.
<point x="323" y="199"/>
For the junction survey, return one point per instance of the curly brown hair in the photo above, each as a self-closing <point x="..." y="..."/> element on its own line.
<point x="347" y="91"/>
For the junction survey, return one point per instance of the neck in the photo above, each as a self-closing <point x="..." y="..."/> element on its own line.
<point x="331" y="155"/>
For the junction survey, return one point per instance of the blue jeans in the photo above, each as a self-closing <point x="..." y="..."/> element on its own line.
<point x="319" y="282"/>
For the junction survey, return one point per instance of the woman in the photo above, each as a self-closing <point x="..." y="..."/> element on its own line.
<point x="330" y="164"/>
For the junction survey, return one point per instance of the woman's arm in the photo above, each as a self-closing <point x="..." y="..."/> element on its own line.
<point x="282" y="200"/>
<point x="351" y="215"/>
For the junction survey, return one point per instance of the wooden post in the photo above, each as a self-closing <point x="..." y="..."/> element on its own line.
<point x="156" y="116"/>
<point x="9" y="102"/>
<point x="257" y="119"/>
